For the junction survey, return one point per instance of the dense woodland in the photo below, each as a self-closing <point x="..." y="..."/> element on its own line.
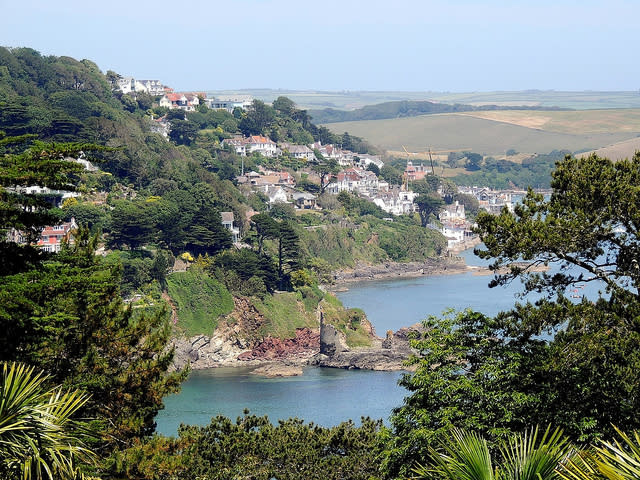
<point x="84" y="374"/>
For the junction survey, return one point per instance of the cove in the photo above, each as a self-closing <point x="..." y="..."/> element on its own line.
<point x="325" y="396"/>
<point x="330" y="396"/>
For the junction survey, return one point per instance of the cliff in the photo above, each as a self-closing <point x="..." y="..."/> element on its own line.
<point x="241" y="339"/>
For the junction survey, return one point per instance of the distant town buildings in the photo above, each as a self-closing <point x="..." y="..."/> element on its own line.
<point x="130" y="84"/>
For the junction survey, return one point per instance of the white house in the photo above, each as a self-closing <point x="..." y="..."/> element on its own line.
<point x="366" y="160"/>
<point x="301" y="152"/>
<point x="453" y="213"/>
<point x="263" y="145"/>
<point x="276" y="194"/>
<point x="396" y="201"/>
<point x="355" y="180"/>
<point x="229" y="103"/>
<point x="227" y="222"/>
<point x="239" y="145"/>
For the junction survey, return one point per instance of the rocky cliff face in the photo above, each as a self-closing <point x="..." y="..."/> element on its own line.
<point x="236" y="343"/>
<point x="388" y="354"/>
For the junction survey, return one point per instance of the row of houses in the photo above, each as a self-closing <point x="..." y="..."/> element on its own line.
<point x="152" y="87"/>
<point x="490" y="200"/>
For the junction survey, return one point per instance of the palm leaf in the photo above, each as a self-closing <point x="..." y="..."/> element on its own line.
<point x="465" y="457"/>
<point x="38" y="437"/>
<point x="528" y="457"/>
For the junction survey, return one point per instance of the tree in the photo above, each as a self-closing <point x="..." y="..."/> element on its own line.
<point x="372" y="167"/>
<point x="288" y="250"/>
<point x="474" y="161"/>
<point x="469" y="375"/>
<point x="68" y="318"/>
<point x="132" y="223"/>
<point x="284" y="105"/>
<point x="183" y="132"/>
<point x="427" y="205"/>
<point x="325" y="169"/>
<point x="266" y="227"/>
<point x="571" y="364"/>
<point x="38" y="437"/>
<point x="40" y="164"/>
<point x="391" y="174"/>
<point x="252" y="447"/>
<point x="258" y="119"/>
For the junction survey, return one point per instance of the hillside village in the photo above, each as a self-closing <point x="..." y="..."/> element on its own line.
<point x="354" y="173"/>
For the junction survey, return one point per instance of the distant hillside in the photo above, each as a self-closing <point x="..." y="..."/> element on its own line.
<point x="462" y="131"/>
<point x="404" y="108"/>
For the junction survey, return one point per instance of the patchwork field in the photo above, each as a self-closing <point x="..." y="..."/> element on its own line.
<point x="493" y="133"/>
<point x="349" y="100"/>
<point x="620" y="150"/>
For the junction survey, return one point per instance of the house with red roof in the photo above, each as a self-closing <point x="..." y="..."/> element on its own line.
<point x="52" y="236"/>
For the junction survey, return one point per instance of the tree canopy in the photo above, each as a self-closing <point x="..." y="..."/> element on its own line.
<point x="571" y="364"/>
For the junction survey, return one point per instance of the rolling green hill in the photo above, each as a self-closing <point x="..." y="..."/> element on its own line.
<point x="462" y="131"/>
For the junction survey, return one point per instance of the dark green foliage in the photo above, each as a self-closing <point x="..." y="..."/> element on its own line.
<point x="132" y="223"/>
<point x="372" y="167"/>
<point x="473" y="162"/>
<point x="252" y="447"/>
<point x="391" y="174"/>
<point x="265" y="227"/>
<point x="183" y="132"/>
<point x="95" y="217"/>
<point x="533" y="172"/>
<point x="402" y="108"/>
<point x="288" y="251"/>
<point x="470" y="375"/>
<point x="427" y="205"/>
<point x="282" y="211"/>
<point x="68" y="318"/>
<point x="247" y="264"/>
<point x="41" y="165"/>
<point x="574" y="365"/>
<point x="325" y="168"/>
<point x="358" y="206"/>
<point x="258" y="119"/>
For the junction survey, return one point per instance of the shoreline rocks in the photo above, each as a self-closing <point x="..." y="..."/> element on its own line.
<point x="438" y="266"/>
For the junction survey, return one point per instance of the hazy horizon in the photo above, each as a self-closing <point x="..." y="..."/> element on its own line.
<point x="415" y="46"/>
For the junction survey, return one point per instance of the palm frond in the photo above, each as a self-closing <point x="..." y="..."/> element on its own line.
<point x="465" y="457"/>
<point x="38" y="437"/>
<point x="530" y="457"/>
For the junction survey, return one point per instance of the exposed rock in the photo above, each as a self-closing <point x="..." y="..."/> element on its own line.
<point x="272" y="370"/>
<point x="235" y="342"/>
<point x="332" y="341"/>
<point x="434" y="266"/>
<point x="390" y="354"/>
<point x="306" y="342"/>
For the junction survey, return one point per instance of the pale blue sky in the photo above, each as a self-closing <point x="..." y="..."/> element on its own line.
<point x="429" y="45"/>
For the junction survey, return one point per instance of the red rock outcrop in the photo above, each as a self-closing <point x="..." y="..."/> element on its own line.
<point x="306" y="342"/>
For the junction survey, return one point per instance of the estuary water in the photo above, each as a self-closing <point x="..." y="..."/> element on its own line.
<point x="330" y="396"/>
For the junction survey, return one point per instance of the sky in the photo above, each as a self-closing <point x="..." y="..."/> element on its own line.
<point x="398" y="45"/>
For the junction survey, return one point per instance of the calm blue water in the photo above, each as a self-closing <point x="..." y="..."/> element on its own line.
<point x="326" y="396"/>
<point x="330" y="396"/>
<point x="392" y="304"/>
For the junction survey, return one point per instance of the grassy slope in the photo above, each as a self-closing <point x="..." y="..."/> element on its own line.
<point x="200" y="300"/>
<point x="456" y="131"/>
<point x="286" y="311"/>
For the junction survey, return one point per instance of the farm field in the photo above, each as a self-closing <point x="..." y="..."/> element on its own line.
<point x="572" y="122"/>
<point x="524" y="133"/>
<point x="620" y="150"/>
<point x="350" y="100"/>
